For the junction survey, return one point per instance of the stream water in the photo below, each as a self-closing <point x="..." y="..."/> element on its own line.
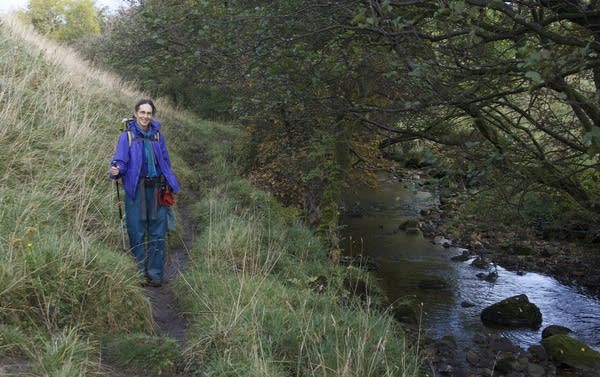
<point x="404" y="259"/>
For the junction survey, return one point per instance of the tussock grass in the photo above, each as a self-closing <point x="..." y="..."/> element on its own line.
<point x="267" y="303"/>
<point x="65" y="354"/>
<point x="151" y="355"/>
<point x="13" y="341"/>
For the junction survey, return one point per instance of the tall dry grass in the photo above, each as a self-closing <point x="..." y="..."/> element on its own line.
<point x="66" y="286"/>
<point x="63" y="280"/>
<point x="266" y="302"/>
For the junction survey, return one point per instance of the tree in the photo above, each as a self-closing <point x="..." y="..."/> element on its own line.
<point x="509" y="88"/>
<point x="280" y="60"/>
<point x="64" y="20"/>
<point x="515" y="83"/>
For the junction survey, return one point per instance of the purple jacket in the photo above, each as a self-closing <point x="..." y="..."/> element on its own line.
<point x="129" y="159"/>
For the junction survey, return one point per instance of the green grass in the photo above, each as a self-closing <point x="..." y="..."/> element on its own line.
<point x="261" y="295"/>
<point x="66" y="353"/>
<point x="12" y="341"/>
<point x="150" y="355"/>
<point x="61" y="267"/>
<point x="259" y="309"/>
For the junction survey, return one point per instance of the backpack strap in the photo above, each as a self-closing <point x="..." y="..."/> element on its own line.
<point x="130" y="135"/>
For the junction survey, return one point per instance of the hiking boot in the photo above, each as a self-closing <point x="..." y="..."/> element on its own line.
<point x="155" y="283"/>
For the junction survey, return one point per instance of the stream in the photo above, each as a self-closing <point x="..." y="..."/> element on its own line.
<point x="404" y="259"/>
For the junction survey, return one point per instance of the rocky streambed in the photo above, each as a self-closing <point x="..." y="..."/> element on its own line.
<point x="400" y="231"/>
<point x="491" y="354"/>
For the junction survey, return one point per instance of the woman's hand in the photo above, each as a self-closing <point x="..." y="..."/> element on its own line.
<point x="114" y="171"/>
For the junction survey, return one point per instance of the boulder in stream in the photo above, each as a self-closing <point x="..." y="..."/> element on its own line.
<point x="555" y="330"/>
<point x="410" y="226"/>
<point x="514" y="311"/>
<point x="480" y="263"/>
<point x="441" y="240"/>
<point x="463" y="257"/>
<point x="571" y="352"/>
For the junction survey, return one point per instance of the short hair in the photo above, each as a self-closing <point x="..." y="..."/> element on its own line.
<point x="145" y="101"/>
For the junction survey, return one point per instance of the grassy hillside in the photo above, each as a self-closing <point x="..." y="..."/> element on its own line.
<point x="260" y="294"/>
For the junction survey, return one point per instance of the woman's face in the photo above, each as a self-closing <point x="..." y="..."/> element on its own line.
<point x="144" y="115"/>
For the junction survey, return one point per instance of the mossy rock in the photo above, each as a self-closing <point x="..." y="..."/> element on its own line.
<point x="571" y="352"/>
<point x="555" y="330"/>
<point x="514" y="311"/>
<point x="461" y="257"/>
<point x="406" y="312"/>
<point x="506" y="364"/>
<point x="480" y="263"/>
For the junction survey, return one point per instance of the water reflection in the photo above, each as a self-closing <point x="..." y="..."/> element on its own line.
<point x="405" y="259"/>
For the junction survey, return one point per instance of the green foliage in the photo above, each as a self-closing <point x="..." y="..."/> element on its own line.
<point x="592" y="138"/>
<point x="48" y="281"/>
<point x="519" y="104"/>
<point x="64" y="20"/>
<point x="524" y="209"/>
<point x="264" y="227"/>
<point x="61" y="279"/>
<point x="61" y="261"/>
<point x="237" y="195"/>
<point x="548" y="213"/>
<point x="284" y="81"/>
<point x="416" y="154"/>
<point x="55" y="269"/>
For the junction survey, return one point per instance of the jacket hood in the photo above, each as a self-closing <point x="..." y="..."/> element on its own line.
<point x="154" y="126"/>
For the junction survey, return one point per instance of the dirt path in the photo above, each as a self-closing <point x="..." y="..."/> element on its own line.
<point x="169" y="320"/>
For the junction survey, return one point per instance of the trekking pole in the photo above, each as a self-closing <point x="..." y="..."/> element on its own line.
<point x="118" y="195"/>
<point x="121" y="224"/>
<point x="119" y="200"/>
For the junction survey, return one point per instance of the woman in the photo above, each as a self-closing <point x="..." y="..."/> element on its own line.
<point x="142" y="162"/>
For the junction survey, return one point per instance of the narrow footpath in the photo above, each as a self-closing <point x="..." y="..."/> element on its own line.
<point x="168" y="319"/>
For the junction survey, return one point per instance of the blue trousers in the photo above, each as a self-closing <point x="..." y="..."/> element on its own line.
<point x="146" y="226"/>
